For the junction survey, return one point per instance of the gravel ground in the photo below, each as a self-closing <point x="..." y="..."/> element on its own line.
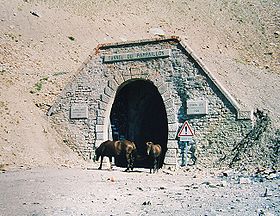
<point x="76" y="191"/>
<point x="237" y="40"/>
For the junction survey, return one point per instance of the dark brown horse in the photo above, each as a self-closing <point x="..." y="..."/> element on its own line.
<point x="154" y="153"/>
<point x="116" y="148"/>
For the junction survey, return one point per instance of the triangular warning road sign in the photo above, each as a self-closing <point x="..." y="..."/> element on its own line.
<point x="186" y="130"/>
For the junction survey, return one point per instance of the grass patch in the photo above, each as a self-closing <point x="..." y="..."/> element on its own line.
<point x="39" y="85"/>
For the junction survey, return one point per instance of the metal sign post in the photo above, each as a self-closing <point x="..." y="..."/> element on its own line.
<point x="186" y="137"/>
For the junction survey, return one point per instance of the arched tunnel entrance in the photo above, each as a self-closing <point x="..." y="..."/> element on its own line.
<point x="138" y="114"/>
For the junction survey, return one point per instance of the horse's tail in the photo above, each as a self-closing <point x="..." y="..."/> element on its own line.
<point x="159" y="150"/>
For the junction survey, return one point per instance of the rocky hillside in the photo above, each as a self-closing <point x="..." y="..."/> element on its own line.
<point x="43" y="43"/>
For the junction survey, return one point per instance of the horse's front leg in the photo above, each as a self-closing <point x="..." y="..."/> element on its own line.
<point x="110" y="159"/>
<point x="155" y="165"/>
<point x="132" y="162"/>
<point x="128" y="160"/>
<point x="151" y="164"/>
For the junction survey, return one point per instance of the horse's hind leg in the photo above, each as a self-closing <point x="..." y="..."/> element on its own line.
<point x="158" y="161"/>
<point x="100" y="167"/>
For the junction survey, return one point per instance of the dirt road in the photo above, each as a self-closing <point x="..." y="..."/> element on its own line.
<point x="76" y="191"/>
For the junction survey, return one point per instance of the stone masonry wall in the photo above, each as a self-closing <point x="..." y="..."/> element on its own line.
<point x="179" y="78"/>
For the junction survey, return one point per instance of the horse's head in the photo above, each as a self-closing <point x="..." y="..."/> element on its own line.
<point x="149" y="147"/>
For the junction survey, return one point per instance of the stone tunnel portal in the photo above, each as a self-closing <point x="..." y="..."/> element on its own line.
<point x="138" y="114"/>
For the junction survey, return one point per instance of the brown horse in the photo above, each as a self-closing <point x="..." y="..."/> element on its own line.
<point x="154" y="152"/>
<point x="116" y="148"/>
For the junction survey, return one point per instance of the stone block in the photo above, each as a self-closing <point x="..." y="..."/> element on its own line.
<point x="171" y="118"/>
<point x="172" y="144"/>
<point x="109" y="92"/>
<point x="170" y="111"/>
<point x="173" y="127"/>
<point x="153" y="75"/>
<point x="102" y="105"/>
<point x="170" y="160"/>
<point x="126" y="74"/>
<point x="100" y="113"/>
<point x="171" y="152"/>
<point x="100" y="120"/>
<point x="99" y="136"/>
<point x="163" y="88"/>
<point x="172" y="135"/>
<point x="99" y="128"/>
<point x="135" y="72"/>
<point x="113" y="85"/>
<point x="168" y="103"/>
<point x="119" y="79"/>
<point x="144" y="75"/>
<point x="158" y="82"/>
<point x="166" y="95"/>
<point x="105" y="98"/>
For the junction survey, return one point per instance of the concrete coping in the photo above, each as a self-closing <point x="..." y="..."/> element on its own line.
<point x="142" y="41"/>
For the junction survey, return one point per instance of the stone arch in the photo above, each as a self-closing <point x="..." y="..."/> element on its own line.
<point x="103" y="126"/>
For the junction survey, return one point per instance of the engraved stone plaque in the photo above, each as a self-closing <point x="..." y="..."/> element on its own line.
<point x="197" y="107"/>
<point x="137" y="55"/>
<point x="79" y="112"/>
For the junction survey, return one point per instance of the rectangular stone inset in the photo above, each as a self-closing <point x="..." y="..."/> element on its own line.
<point x="79" y="112"/>
<point x="99" y="128"/>
<point x="170" y="160"/>
<point x="137" y="55"/>
<point x="99" y="136"/>
<point x="197" y="107"/>
<point x="172" y="144"/>
<point x="100" y="120"/>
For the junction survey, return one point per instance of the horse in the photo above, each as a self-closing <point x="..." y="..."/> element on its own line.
<point x="116" y="148"/>
<point x="154" y="152"/>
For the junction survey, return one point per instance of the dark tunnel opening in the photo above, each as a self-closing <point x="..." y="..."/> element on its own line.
<point x="138" y="114"/>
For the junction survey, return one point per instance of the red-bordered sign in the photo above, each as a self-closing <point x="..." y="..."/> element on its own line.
<point x="186" y="130"/>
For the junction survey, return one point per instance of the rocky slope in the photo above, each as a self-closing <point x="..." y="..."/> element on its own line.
<point x="43" y="43"/>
